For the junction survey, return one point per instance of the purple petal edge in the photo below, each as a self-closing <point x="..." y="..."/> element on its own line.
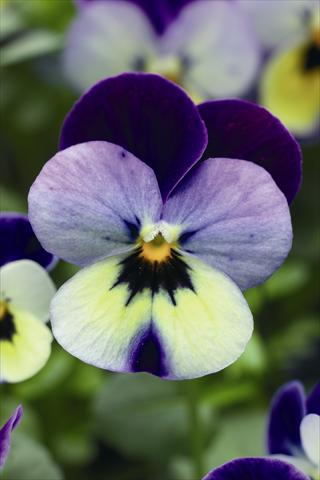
<point x="244" y="130"/>
<point x="256" y="469"/>
<point x="286" y="413"/>
<point x="18" y="241"/>
<point x="5" y="433"/>
<point x="313" y="400"/>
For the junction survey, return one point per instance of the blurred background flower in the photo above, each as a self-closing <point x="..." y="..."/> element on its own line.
<point x="289" y="86"/>
<point x="5" y="434"/>
<point x="190" y="45"/>
<point x="294" y="427"/>
<point x="26" y="293"/>
<point x="80" y="422"/>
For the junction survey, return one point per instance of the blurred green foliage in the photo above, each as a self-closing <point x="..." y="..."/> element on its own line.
<point x="81" y="422"/>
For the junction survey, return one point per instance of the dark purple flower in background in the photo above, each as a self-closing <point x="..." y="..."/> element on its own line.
<point x="18" y="241"/>
<point x="294" y="427"/>
<point x="185" y="41"/>
<point x="165" y="225"/>
<point x="5" y="434"/>
<point x="256" y="469"/>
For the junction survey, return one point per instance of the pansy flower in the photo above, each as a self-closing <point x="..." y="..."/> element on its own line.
<point x="290" y="83"/>
<point x="168" y="230"/>
<point x="187" y="42"/>
<point x="294" y="427"/>
<point x="255" y="469"/>
<point x="5" y="434"/>
<point x="25" y="295"/>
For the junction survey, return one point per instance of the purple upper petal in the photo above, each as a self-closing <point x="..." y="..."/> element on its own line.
<point x="240" y="129"/>
<point x="256" y="469"/>
<point x="148" y="116"/>
<point x="286" y="414"/>
<point x="160" y="12"/>
<point x="313" y="400"/>
<point x="18" y="241"/>
<point x="5" y="433"/>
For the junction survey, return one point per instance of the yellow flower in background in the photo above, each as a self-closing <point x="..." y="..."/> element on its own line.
<point x="25" y="340"/>
<point x="290" y="82"/>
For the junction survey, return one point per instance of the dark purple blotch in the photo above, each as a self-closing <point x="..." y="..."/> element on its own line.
<point x="138" y="274"/>
<point x="148" y="355"/>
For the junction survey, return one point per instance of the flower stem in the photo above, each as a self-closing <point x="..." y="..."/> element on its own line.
<point x="195" y="427"/>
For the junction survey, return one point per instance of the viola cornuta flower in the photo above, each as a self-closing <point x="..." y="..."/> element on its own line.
<point x="168" y="230"/>
<point x="290" y="83"/>
<point x="25" y="295"/>
<point x="5" y="434"/>
<point x="256" y="469"/>
<point x="294" y="427"/>
<point x="25" y="340"/>
<point x="187" y="42"/>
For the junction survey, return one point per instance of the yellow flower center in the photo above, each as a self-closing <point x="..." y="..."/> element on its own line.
<point x="3" y="309"/>
<point x="158" y="250"/>
<point x="168" y="66"/>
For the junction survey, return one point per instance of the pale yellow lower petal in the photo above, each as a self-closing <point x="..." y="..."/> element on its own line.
<point x="28" y="351"/>
<point x="91" y="321"/>
<point x="207" y="329"/>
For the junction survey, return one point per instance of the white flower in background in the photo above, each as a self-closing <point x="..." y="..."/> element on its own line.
<point x="25" y="340"/>
<point x="208" y="47"/>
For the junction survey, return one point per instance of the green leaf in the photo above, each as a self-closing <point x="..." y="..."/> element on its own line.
<point x="255" y="298"/>
<point x="252" y="361"/>
<point x="29" y="460"/>
<point x="56" y="370"/>
<point x="240" y="435"/>
<point x="229" y="394"/>
<point x="53" y="14"/>
<point x="290" y="278"/>
<point x="297" y="342"/>
<point x="12" y="201"/>
<point x="11" y="21"/>
<point x="30" y="45"/>
<point x="74" y="447"/>
<point x="141" y="415"/>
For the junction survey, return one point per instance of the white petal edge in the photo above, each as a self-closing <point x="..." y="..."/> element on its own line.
<point x="310" y="437"/>
<point x="27" y="287"/>
<point x="106" y="39"/>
